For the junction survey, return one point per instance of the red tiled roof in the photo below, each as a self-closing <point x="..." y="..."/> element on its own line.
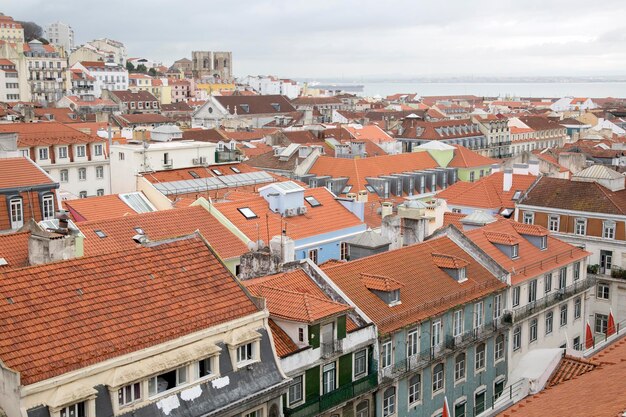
<point x="448" y="261"/>
<point x="14" y="250"/>
<point x="47" y="133"/>
<point x="98" y="208"/>
<point x="21" y="172"/>
<point x="201" y="172"/>
<point x="282" y="342"/>
<point x="530" y="229"/>
<point x="465" y="158"/>
<point x="144" y="118"/>
<point x="453" y="218"/>
<point x="327" y="217"/>
<point x="370" y="132"/>
<point x="380" y="283"/>
<point x="67" y="315"/>
<point x="256" y="104"/>
<point x="160" y="225"/>
<point x="570" y="367"/>
<point x="487" y="192"/>
<point x="502" y="238"/>
<point x="427" y="291"/>
<point x="59" y="114"/>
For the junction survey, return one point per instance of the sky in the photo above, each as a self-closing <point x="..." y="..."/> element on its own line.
<point x="356" y="39"/>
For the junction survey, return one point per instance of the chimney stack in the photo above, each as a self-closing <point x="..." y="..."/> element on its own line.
<point x="533" y="167"/>
<point x="507" y="179"/>
<point x="387" y="209"/>
<point x="495" y="168"/>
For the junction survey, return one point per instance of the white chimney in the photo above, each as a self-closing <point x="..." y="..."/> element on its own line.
<point x="495" y="168"/>
<point x="387" y="209"/>
<point x="521" y="169"/>
<point x="507" y="179"/>
<point x="533" y="167"/>
<point x="362" y="197"/>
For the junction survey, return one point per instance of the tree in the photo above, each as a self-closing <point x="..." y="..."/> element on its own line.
<point x="152" y="72"/>
<point x="129" y="66"/>
<point x="141" y="68"/>
<point x="31" y="31"/>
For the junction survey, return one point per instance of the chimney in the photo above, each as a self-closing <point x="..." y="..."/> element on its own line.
<point x="521" y="169"/>
<point x="533" y="167"/>
<point x="495" y="168"/>
<point x="351" y="196"/>
<point x="387" y="209"/>
<point x="52" y="245"/>
<point x="507" y="179"/>
<point x="363" y="196"/>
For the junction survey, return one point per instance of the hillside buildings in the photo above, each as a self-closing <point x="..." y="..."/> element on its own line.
<point x="212" y="64"/>
<point x="60" y="34"/>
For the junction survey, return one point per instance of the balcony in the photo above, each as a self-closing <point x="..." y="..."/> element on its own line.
<point x="334" y="398"/>
<point x="331" y="348"/>
<point x="553" y="298"/>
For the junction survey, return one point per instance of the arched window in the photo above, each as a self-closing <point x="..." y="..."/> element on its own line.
<point x="47" y="206"/>
<point x="438" y="377"/>
<point x="389" y="401"/>
<point x="16" y="210"/>
<point x="415" y="388"/>
<point x="363" y="409"/>
<point x="459" y="367"/>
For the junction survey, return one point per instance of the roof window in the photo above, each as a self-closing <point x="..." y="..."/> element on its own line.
<point x="517" y="195"/>
<point x="100" y="234"/>
<point x="235" y="170"/>
<point x="245" y="108"/>
<point x="247" y="213"/>
<point x="194" y="174"/>
<point x="217" y="172"/>
<point x="312" y="201"/>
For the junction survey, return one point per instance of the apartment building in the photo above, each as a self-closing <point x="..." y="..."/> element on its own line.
<point x="108" y="75"/>
<point x="130" y="102"/>
<point x="60" y="34"/>
<point x="414" y="132"/>
<point x="77" y="161"/>
<point x="496" y="129"/>
<point x="10" y="30"/>
<point x="247" y="111"/>
<point x="9" y="82"/>
<point x="535" y="132"/>
<point x="48" y="71"/>
<point x="78" y="350"/>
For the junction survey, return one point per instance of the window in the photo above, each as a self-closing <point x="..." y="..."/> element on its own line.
<point x="603" y="291"/>
<point x="479" y="311"/>
<point x="479" y="402"/>
<point x="529" y="217"/>
<point x="563" y="315"/>
<point x="360" y="363"/>
<point x="217" y="172"/>
<point x="99" y="172"/>
<point x="295" y="390"/>
<point x="412" y="343"/>
<point x="577" y="308"/>
<point x="313" y="255"/>
<point x="312" y="201"/>
<point x="17" y="213"/>
<point x="247" y="213"/>
<point x="129" y="394"/>
<point x="577" y="345"/>
<point x="386" y="354"/>
<point x="576" y="271"/>
<point x="415" y="388"/>
<point x="549" y="318"/>
<point x="438" y="377"/>
<point x="74" y="410"/>
<point x="344" y="251"/>
<point x="329" y="376"/>
<point x="167" y="381"/>
<point x="389" y="401"/>
<point x="532" y="333"/>
<point x="472" y="176"/>
<point x="436" y="333"/>
<point x="517" y="338"/>
<point x="481" y="349"/>
<point x="532" y="291"/>
<point x="457" y="328"/>
<point x="121" y="156"/>
<point x="245" y="353"/>
<point x="82" y="194"/>
<point x="362" y="409"/>
<point x="547" y="283"/>
<point x="459" y="367"/>
<point x="543" y="244"/>
<point x="300" y="334"/>
<point x="82" y="174"/>
<point x="100" y="192"/>
<point x="562" y="278"/>
<point x="608" y="230"/>
<point x="580" y="227"/>
<point x="63" y="152"/>
<point x="204" y="368"/>
<point x="516" y="295"/>
<point x="80" y="151"/>
<point x="459" y="409"/>
<point x="256" y="413"/>
<point x="553" y="223"/>
<point x="497" y="306"/>
<point x="499" y="349"/>
<point x="43" y="153"/>
<point x="48" y="207"/>
<point x="97" y="150"/>
<point x="602" y="323"/>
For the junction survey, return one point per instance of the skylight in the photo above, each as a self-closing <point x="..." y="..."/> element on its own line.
<point x="217" y="172"/>
<point x="194" y="174"/>
<point x="370" y="188"/>
<point x="346" y="189"/>
<point x="247" y="212"/>
<point x="100" y="234"/>
<point x="139" y="230"/>
<point x="312" y="201"/>
<point x="235" y="170"/>
<point x="517" y="195"/>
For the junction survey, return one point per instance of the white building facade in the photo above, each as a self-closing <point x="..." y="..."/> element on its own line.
<point x="60" y="34"/>
<point x="109" y="76"/>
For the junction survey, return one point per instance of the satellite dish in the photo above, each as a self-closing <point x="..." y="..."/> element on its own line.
<point x="252" y="246"/>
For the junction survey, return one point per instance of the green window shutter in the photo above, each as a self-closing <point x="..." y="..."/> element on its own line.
<point x="314" y="335"/>
<point x="312" y="383"/>
<point x="345" y="369"/>
<point x="341" y="327"/>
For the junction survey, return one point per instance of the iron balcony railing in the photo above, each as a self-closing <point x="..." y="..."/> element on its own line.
<point x="554" y="298"/>
<point x="331" y="348"/>
<point x="334" y="398"/>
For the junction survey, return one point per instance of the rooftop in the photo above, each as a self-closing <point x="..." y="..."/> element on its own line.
<point x="47" y="134"/>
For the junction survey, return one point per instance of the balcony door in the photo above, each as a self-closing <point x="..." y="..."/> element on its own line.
<point x="606" y="260"/>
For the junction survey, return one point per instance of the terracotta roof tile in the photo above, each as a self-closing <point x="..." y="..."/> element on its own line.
<point x="47" y="133"/>
<point x="256" y="104"/>
<point x="502" y="238"/>
<point x="530" y="229"/>
<point x="380" y="283"/>
<point x="465" y="158"/>
<point x="14" y="250"/>
<point x="448" y="261"/>
<point x="97" y="208"/>
<point x="453" y="218"/>
<point x="428" y="290"/>
<point x="71" y="314"/>
<point x="160" y="225"/>
<point x="283" y="343"/>
<point x="21" y="172"/>
<point x="570" y="367"/>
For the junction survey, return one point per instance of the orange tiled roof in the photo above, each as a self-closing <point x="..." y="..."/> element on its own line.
<point x="428" y="290"/>
<point x="448" y="261"/>
<point x="160" y="225"/>
<point x="570" y="367"/>
<point x="453" y="218"/>
<point x="21" y="172"/>
<point x="502" y="238"/>
<point x="97" y="208"/>
<point x="201" y="172"/>
<point x="530" y="229"/>
<point x="46" y="134"/>
<point x="487" y="192"/>
<point x="380" y="282"/>
<point x="465" y="158"/>
<point x="597" y="393"/>
<point x="83" y="311"/>
<point x="282" y="342"/>
<point x="14" y="250"/>
<point x="327" y="217"/>
<point x="531" y="260"/>
<point x="371" y="132"/>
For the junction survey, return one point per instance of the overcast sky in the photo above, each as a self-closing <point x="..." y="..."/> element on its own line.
<point x="359" y="38"/>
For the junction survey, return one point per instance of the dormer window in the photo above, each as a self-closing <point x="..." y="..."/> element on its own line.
<point x="385" y="288"/>
<point x="515" y="251"/>
<point x="394" y="297"/>
<point x="451" y="265"/>
<point x="462" y="276"/>
<point x="245" y="108"/>
<point x="543" y="243"/>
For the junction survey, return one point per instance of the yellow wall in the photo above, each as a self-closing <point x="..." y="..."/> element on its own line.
<point x="213" y="88"/>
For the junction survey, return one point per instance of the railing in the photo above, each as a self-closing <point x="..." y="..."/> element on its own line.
<point x="600" y="342"/>
<point x="552" y="299"/>
<point x="495" y="404"/>
<point x="334" y="398"/>
<point x="552" y="259"/>
<point x="331" y="348"/>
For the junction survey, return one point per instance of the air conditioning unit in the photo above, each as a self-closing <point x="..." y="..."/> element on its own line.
<point x="203" y="160"/>
<point x="290" y="212"/>
<point x="302" y="210"/>
<point x="195" y="161"/>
